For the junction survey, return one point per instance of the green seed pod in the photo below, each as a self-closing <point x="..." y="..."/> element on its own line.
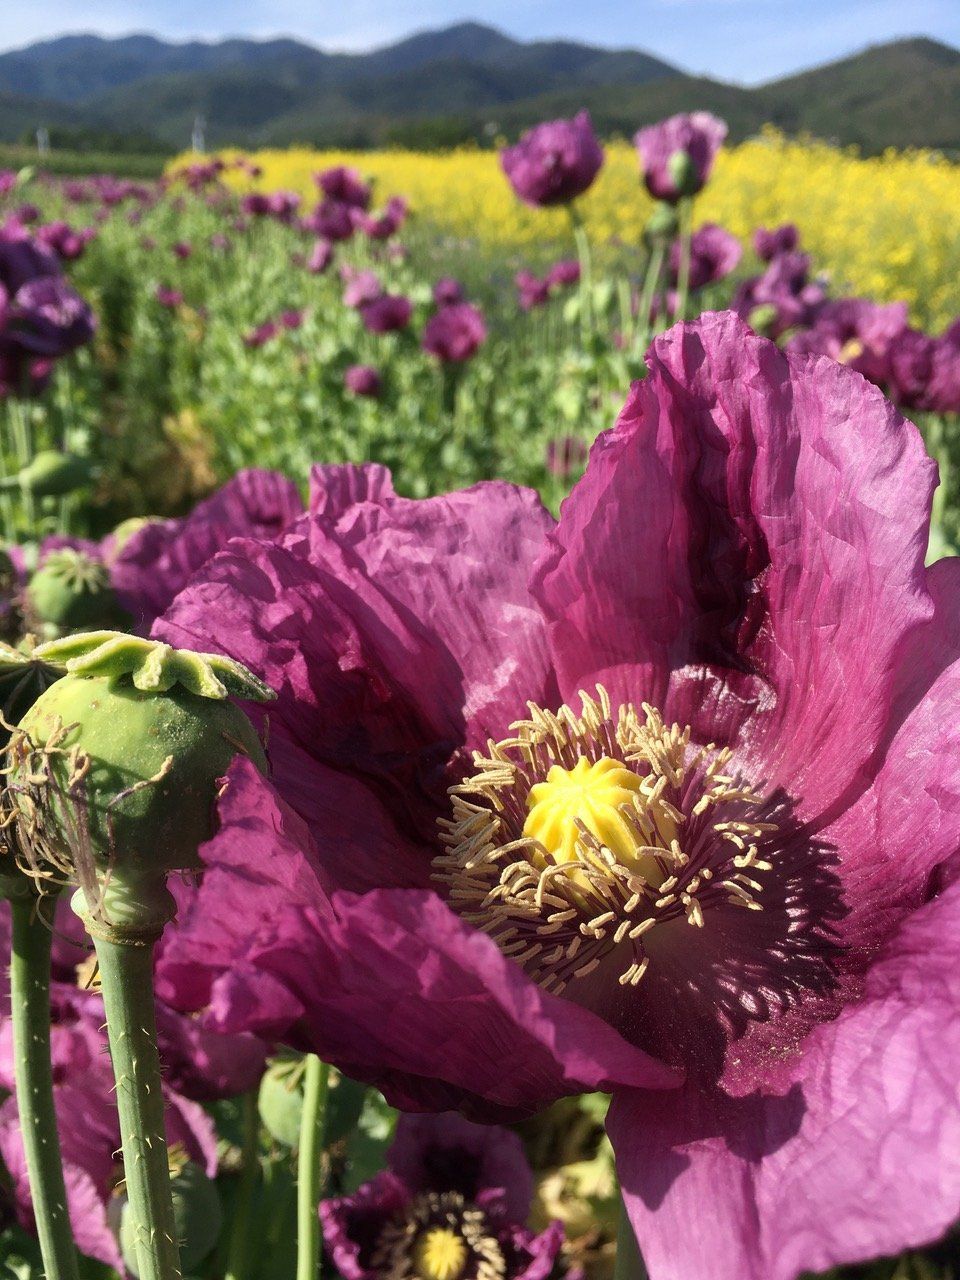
<point x="69" y="591"/>
<point x="51" y="474"/>
<point x="280" y="1100"/>
<point x="117" y="766"/>
<point x="23" y="678"/>
<point x="197" y="1214"/>
<point x="683" y="174"/>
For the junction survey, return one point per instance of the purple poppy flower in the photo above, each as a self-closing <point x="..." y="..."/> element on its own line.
<point x="363" y="380"/>
<point x="769" y="242"/>
<point x="68" y="244"/>
<point x="924" y="372"/>
<point x="785" y="292"/>
<point x="455" y="333"/>
<point x="23" y="258"/>
<point x="383" y="225"/>
<point x="331" y="220"/>
<point x="714" y="253"/>
<point x="170" y="298"/>
<point x="857" y="332"/>
<point x="760" y="902"/>
<point x="8" y="180"/>
<point x="321" y="256"/>
<point x="453" y="1200"/>
<point x="565" y="456"/>
<point x="531" y="290"/>
<point x="361" y="287"/>
<point x="291" y="319"/>
<point x="554" y="162"/>
<point x="182" y="249"/>
<point x="387" y="313"/>
<point x="159" y="559"/>
<point x="49" y="319"/>
<point x="447" y="292"/>
<point x="677" y="155"/>
<point x="563" y="274"/>
<point x="344" y="184"/>
<point x="261" y="334"/>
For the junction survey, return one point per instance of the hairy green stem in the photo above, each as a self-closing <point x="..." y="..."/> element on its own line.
<point x="651" y="283"/>
<point x="316" y="1083"/>
<point x="30" y="1011"/>
<point x="585" y="259"/>
<point x="629" y="1264"/>
<point x="126" y="977"/>
<point x="238" y="1258"/>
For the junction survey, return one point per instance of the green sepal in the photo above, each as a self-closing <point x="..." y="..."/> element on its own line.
<point x="153" y="666"/>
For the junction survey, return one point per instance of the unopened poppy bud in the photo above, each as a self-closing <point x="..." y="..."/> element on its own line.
<point x="280" y="1100"/>
<point x="197" y="1215"/>
<point x="69" y="591"/>
<point x="51" y="474"/>
<point x="683" y="174"/>
<point x="762" y="318"/>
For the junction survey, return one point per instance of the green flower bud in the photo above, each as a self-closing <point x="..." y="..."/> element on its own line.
<point x="69" y="592"/>
<point x="280" y="1100"/>
<point x="663" y="223"/>
<point x="51" y="474"/>
<point x="197" y="1214"/>
<point x="117" y="766"/>
<point x="761" y="319"/>
<point x="683" y="174"/>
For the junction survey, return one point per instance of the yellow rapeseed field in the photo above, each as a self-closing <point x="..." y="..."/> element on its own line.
<point x="884" y="227"/>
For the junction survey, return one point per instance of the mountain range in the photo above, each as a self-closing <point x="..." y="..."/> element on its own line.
<point x="464" y="82"/>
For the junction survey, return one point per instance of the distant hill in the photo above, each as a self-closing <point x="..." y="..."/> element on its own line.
<point x="467" y="81"/>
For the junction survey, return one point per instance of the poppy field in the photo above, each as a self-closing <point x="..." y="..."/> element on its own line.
<point x="480" y="687"/>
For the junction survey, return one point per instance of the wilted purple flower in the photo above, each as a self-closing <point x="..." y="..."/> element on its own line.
<point x="386" y="224"/>
<point x="66" y="242"/>
<point x="566" y="456"/>
<point x="182" y="249"/>
<point x="531" y="290"/>
<point x="554" y="162"/>
<point x="781" y="1038"/>
<point x="344" y="184"/>
<point x="363" y="380"/>
<point x="714" y="253"/>
<point x="677" y="155"/>
<point x="388" y="312"/>
<point x="768" y="242"/>
<point x="455" y="333"/>
<point x="453" y="1192"/>
<point x="362" y="286"/>
<point x="321" y="255"/>
<point x="331" y="220"/>
<point x="167" y="297"/>
<point x="563" y="274"/>
<point x="448" y="291"/>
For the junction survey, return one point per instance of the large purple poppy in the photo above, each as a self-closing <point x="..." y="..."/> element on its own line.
<point x="719" y="883"/>
<point x="554" y="162"/>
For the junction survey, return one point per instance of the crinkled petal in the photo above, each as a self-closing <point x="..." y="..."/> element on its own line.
<point x="858" y="1157"/>
<point x="746" y="552"/>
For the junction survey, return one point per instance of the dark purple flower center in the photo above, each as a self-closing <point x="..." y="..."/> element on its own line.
<point x="439" y="1237"/>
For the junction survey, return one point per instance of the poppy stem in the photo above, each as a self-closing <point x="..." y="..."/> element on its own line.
<point x="686" y="246"/>
<point x="30" y="1014"/>
<point x="126" y="976"/>
<point x="238" y="1257"/>
<point x="316" y="1084"/>
<point x="629" y="1264"/>
<point x="651" y="284"/>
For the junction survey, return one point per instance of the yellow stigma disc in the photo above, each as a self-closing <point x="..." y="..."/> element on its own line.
<point x="440" y="1254"/>
<point x="594" y="794"/>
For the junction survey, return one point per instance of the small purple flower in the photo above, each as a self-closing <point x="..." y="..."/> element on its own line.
<point x="182" y="249"/>
<point x="924" y="372"/>
<point x="856" y="332"/>
<point x="677" y="155"/>
<point x="362" y="287"/>
<point x="563" y="274"/>
<point x="167" y="297"/>
<point x="331" y="220"/>
<point x="532" y="291"/>
<point x="566" y="456"/>
<point x="714" y="253"/>
<point x="554" y="162"/>
<point x="68" y="244"/>
<point x="291" y="319"/>
<point x="321" y="256"/>
<point x="386" y="224"/>
<point x="455" y="333"/>
<point x="453" y="1201"/>
<point x="768" y="243"/>
<point x="447" y="292"/>
<point x="261" y="335"/>
<point x="219" y="242"/>
<point x="389" y="312"/>
<point x="363" y="380"/>
<point x="786" y="291"/>
<point x="8" y="180"/>
<point x="344" y="184"/>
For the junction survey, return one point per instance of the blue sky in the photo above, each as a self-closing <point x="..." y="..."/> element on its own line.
<point x="742" y="40"/>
